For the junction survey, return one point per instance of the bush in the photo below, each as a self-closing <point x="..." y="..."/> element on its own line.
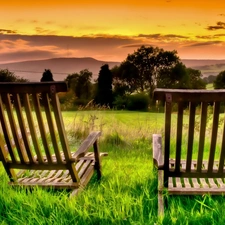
<point x="67" y="100"/>
<point x="138" y="102"/>
<point x="120" y="102"/>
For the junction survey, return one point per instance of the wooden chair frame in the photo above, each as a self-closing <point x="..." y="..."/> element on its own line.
<point x="192" y="174"/>
<point x="34" y="148"/>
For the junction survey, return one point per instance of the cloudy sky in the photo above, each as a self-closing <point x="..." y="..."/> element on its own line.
<point x="110" y="30"/>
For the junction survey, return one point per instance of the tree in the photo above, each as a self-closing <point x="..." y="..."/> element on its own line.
<point x="210" y="79"/>
<point x="195" y="79"/>
<point x="7" y="76"/>
<point x="176" y="77"/>
<point x="219" y="83"/>
<point x="80" y="83"/>
<point x="47" y="76"/>
<point x="180" y="77"/>
<point x="104" y="87"/>
<point x="139" y="72"/>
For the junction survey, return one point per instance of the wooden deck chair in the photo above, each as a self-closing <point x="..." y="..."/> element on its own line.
<point x="190" y="160"/>
<point x="33" y="145"/>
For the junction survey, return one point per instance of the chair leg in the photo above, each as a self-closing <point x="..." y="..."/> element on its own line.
<point x="160" y="194"/>
<point x="97" y="160"/>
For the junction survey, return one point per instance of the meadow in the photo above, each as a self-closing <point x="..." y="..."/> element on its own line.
<point x="127" y="193"/>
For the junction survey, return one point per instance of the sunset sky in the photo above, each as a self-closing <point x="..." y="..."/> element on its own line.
<point x="110" y="30"/>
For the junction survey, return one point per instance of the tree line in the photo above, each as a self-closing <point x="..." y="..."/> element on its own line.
<point x="131" y="84"/>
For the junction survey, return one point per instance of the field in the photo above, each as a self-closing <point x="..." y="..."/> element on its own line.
<point x="127" y="193"/>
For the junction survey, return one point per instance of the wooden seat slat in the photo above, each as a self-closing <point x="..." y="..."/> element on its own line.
<point x="195" y="183"/>
<point x="187" y="183"/>
<point x="178" y="182"/>
<point x="203" y="183"/>
<point x="221" y="183"/>
<point x="85" y="166"/>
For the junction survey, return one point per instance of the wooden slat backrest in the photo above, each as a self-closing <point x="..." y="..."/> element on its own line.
<point x="32" y="128"/>
<point x="195" y="99"/>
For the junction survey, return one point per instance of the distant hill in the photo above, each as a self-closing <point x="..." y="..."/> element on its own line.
<point x="201" y="62"/>
<point x="61" y="67"/>
<point x="207" y="67"/>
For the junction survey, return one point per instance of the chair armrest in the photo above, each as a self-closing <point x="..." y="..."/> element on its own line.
<point x="157" y="151"/>
<point x="86" y="144"/>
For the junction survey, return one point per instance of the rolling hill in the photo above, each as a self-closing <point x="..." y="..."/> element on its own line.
<point x="61" y="67"/>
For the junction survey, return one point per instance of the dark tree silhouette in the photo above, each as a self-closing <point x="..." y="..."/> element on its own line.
<point x="219" y="82"/>
<point x="47" y="76"/>
<point x="104" y="87"/>
<point x="7" y="76"/>
<point x="139" y="72"/>
<point x="80" y="83"/>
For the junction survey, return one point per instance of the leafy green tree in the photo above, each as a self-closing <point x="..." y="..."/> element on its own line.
<point x="180" y="77"/>
<point x="219" y="83"/>
<point x="47" y="76"/>
<point x="139" y="72"/>
<point x="176" y="77"/>
<point x="104" y="87"/>
<point x="81" y="84"/>
<point x="195" y="79"/>
<point x="210" y="79"/>
<point x="7" y="76"/>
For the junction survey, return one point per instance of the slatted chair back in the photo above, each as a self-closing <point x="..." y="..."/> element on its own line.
<point x="32" y="134"/>
<point x="202" y="154"/>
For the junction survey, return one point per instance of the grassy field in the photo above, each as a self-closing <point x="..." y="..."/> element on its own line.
<point x="127" y="193"/>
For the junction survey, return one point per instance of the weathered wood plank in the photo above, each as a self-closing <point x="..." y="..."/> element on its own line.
<point x="178" y="182"/>
<point x="46" y="103"/>
<point x="195" y="183"/>
<point x="187" y="183"/>
<point x="32" y="87"/>
<point x="202" y="135"/>
<point x="157" y="150"/>
<point x="22" y="126"/>
<point x="216" y="112"/>
<point x="190" y="135"/>
<point x="13" y="127"/>
<point x="60" y="126"/>
<point x="168" y="111"/>
<point x="32" y="130"/>
<point x="7" y="138"/>
<point x="160" y="193"/>
<point x="179" y="136"/>
<point x="181" y="95"/>
<point x="203" y="184"/>
<point x="221" y="183"/>
<point x="86" y="144"/>
<point x="37" y="107"/>
<point x="212" y="183"/>
<point x="222" y="152"/>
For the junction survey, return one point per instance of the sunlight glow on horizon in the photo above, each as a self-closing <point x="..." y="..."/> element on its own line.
<point x="196" y="29"/>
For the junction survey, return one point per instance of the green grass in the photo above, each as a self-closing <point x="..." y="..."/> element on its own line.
<point x="127" y="193"/>
<point x="209" y="86"/>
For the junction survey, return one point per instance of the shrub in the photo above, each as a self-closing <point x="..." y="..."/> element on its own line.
<point x="120" y="102"/>
<point x="138" y="102"/>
